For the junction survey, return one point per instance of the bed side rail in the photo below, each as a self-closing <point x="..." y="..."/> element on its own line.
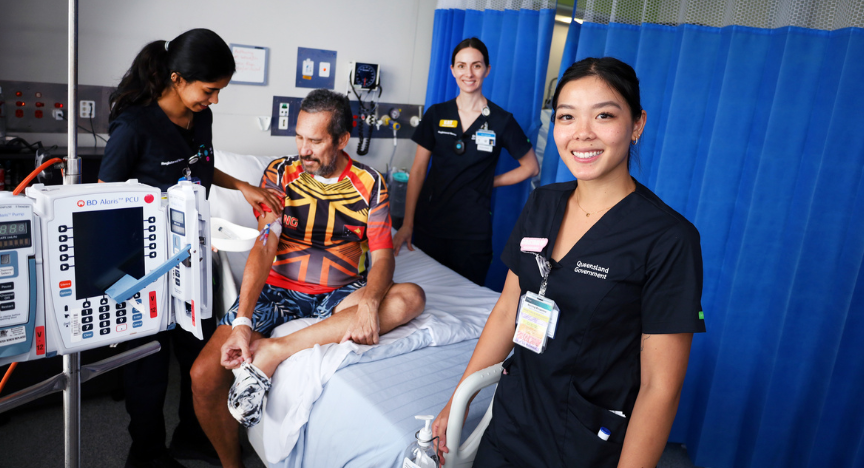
<point x="463" y="455"/>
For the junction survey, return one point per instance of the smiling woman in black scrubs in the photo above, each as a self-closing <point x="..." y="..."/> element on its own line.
<point x="160" y="132"/>
<point x="448" y="210"/>
<point x="625" y="272"/>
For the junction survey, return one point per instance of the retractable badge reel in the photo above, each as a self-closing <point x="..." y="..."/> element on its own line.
<point x="187" y="172"/>
<point x="537" y="315"/>
<point x="484" y="137"/>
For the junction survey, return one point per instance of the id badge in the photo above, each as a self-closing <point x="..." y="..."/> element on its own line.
<point x="485" y="140"/>
<point x="536" y="321"/>
<point x="194" y="180"/>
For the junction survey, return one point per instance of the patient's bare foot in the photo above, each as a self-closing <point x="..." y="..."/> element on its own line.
<point x="265" y="355"/>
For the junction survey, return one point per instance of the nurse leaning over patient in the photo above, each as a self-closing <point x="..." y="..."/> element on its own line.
<point x="595" y="383"/>
<point x="447" y="211"/>
<point x="161" y="131"/>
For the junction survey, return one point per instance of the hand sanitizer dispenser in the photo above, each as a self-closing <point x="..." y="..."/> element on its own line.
<point x="422" y="452"/>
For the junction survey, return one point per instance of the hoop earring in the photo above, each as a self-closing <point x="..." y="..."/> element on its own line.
<point x="635" y="142"/>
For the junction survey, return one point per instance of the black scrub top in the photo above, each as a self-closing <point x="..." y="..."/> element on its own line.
<point x="147" y="146"/>
<point x="456" y="197"/>
<point x="637" y="270"/>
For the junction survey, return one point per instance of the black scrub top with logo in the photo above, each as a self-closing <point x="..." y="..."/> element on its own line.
<point x="637" y="270"/>
<point x="147" y="146"/>
<point x="456" y="197"/>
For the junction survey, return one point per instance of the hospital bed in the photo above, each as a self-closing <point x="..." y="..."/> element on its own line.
<point x="361" y="412"/>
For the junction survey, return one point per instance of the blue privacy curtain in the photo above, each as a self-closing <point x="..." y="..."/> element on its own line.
<point x="755" y="133"/>
<point x="518" y="34"/>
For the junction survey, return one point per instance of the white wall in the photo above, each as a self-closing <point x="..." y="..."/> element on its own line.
<point x="397" y="34"/>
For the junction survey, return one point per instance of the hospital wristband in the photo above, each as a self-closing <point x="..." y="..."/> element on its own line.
<point x="241" y="321"/>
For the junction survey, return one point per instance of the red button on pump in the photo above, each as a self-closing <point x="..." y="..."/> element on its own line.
<point x="148" y="198"/>
<point x="65" y="284"/>
<point x="38" y="114"/>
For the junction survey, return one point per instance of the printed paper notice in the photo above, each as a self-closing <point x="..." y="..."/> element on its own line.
<point x="251" y="62"/>
<point x="11" y="336"/>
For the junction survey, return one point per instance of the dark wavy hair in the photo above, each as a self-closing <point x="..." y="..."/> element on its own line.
<point x="195" y="55"/>
<point x="473" y="43"/>
<point x="341" y="117"/>
<point x="617" y="74"/>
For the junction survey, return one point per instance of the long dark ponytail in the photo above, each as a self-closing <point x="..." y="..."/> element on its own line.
<point x="196" y="55"/>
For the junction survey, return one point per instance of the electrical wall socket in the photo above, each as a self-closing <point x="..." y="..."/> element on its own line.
<point x="57" y="114"/>
<point x="87" y="109"/>
<point x="283" y="110"/>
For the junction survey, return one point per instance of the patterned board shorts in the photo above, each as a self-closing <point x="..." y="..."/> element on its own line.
<point x="276" y="306"/>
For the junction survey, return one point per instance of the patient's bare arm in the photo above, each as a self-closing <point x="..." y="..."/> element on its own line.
<point x="235" y="350"/>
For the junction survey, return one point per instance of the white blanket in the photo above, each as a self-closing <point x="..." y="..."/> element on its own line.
<point x="456" y="310"/>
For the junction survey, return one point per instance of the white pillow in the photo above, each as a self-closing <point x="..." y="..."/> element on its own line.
<point x="230" y="204"/>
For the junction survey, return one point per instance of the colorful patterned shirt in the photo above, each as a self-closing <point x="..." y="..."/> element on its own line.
<point x="327" y="229"/>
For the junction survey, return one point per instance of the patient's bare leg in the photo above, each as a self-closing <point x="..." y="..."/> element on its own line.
<point x="210" y="384"/>
<point x="403" y="302"/>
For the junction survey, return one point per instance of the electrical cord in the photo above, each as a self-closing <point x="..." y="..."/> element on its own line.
<point x="22" y="143"/>
<point x="24" y="183"/>
<point x="95" y="135"/>
<point x="7" y="375"/>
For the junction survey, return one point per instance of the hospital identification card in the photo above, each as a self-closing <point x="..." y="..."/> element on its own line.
<point x="536" y="321"/>
<point x="485" y="140"/>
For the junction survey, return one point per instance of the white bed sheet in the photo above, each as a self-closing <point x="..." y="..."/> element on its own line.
<point x="378" y="413"/>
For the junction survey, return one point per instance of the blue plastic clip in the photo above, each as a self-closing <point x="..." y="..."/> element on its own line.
<point x="127" y="286"/>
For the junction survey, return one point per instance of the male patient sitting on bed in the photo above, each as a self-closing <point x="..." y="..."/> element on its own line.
<point x="310" y="261"/>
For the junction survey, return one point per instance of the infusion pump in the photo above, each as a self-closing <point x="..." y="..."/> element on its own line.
<point x="84" y="266"/>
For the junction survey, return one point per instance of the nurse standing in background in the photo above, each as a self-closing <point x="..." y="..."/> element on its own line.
<point x="448" y="210"/>
<point x="160" y="132"/>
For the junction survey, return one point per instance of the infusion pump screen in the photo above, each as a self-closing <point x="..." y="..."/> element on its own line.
<point x="178" y="224"/>
<point x="108" y="245"/>
<point x="15" y="235"/>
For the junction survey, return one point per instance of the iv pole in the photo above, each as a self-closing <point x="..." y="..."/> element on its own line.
<point x="73" y="373"/>
<point x="72" y="362"/>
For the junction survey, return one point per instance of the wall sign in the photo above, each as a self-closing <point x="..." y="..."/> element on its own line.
<point x="316" y="68"/>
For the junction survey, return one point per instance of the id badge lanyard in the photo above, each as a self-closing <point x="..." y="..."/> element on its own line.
<point x="537" y="315"/>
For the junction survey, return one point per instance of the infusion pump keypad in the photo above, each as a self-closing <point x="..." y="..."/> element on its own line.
<point x="103" y="319"/>
<point x="81" y="245"/>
